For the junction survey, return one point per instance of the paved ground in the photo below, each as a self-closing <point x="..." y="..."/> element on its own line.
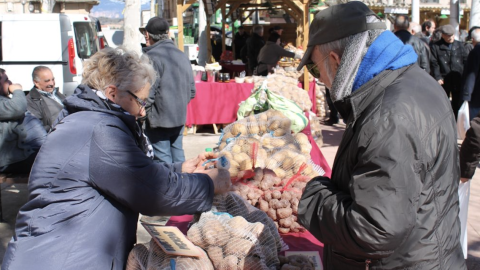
<point x="14" y="196"/>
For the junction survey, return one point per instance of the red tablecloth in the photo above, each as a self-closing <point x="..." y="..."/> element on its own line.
<point x="296" y="241"/>
<point x="217" y="103"/>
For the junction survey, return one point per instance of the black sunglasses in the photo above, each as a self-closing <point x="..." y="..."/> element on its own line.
<point x="313" y="69"/>
<point x="142" y="102"/>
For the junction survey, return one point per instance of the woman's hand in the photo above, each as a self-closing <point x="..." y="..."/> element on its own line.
<point x="221" y="180"/>
<point x="194" y="165"/>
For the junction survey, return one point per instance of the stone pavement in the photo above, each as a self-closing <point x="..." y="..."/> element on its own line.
<point x="15" y="195"/>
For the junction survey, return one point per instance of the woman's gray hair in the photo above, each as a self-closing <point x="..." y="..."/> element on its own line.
<point x="120" y="67"/>
<point x="158" y="37"/>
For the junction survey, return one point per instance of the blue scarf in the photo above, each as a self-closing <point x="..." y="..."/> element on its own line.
<point x="386" y="52"/>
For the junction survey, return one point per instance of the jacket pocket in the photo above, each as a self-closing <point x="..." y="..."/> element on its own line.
<point x="340" y="261"/>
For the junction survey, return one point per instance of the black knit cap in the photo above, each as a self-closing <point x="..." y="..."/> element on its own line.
<point x="337" y="22"/>
<point x="157" y="25"/>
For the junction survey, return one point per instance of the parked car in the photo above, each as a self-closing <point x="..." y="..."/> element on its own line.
<point x="61" y="42"/>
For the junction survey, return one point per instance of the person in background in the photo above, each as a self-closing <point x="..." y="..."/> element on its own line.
<point x="216" y="42"/>
<point x="94" y="175"/>
<point x="270" y="54"/>
<point x="170" y="94"/>
<point x="428" y="27"/>
<point x="253" y="46"/>
<point x="468" y="40"/>
<point x="401" y="27"/>
<point x="21" y="134"/>
<point x="44" y="100"/>
<point x="240" y="40"/>
<point x="471" y="76"/>
<point x="416" y="29"/>
<point x="392" y="199"/>
<point x="448" y="58"/>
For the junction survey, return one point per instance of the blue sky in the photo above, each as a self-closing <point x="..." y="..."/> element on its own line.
<point x="113" y="9"/>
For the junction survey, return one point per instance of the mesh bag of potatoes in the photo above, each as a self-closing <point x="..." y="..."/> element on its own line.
<point x="288" y="88"/>
<point x="271" y="121"/>
<point x="316" y="130"/>
<point x="234" y="243"/>
<point x="152" y="257"/>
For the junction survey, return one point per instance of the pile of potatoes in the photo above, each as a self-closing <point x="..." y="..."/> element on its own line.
<point x="290" y="72"/>
<point x="153" y="257"/>
<point x="288" y="88"/>
<point x="270" y="193"/>
<point x="233" y="243"/>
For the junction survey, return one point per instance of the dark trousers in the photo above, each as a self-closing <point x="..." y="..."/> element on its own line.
<point x="452" y="86"/>
<point x="21" y="167"/>
<point x="333" y="111"/>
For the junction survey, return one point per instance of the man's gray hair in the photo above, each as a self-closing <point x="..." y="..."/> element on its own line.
<point x="476" y="35"/>
<point x="417" y="28"/>
<point x="158" y="37"/>
<point x="36" y="71"/>
<point x="120" y="67"/>
<point x="258" y="29"/>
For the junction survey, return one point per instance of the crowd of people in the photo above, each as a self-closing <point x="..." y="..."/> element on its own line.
<point x="114" y="148"/>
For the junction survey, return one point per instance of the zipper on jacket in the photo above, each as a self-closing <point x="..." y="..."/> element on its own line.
<point x="367" y="264"/>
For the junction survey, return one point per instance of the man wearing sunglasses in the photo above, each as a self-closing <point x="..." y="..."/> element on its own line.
<point x="170" y="95"/>
<point x="391" y="201"/>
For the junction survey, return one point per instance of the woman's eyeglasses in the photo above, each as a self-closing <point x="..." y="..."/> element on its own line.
<point x="141" y="102"/>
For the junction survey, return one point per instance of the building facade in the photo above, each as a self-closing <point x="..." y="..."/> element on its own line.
<point x="47" y="6"/>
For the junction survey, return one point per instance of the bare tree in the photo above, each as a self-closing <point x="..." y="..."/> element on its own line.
<point x="131" y="24"/>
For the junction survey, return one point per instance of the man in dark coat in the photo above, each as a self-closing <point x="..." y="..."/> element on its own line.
<point x="401" y="31"/>
<point x="471" y="76"/>
<point x="470" y="151"/>
<point x="392" y="200"/>
<point x="240" y="40"/>
<point x="44" y="100"/>
<point x="170" y="95"/>
<point x="447" y="60"/>
<point x="254" y="45"/>
<point x="21" y="134"/>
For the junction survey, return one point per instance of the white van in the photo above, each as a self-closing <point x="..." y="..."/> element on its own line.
<point x="59" y="41"/>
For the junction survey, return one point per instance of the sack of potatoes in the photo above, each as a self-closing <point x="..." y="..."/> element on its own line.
<point x="152" y="257"/>
<point x="233" y="242"/>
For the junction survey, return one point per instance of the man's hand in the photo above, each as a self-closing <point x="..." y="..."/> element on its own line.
<point x="195" y="164"/>
<point x="14" y="86"/>
<point x="221" y="180"/>
<point x="440" y="82"/>
<point x="464" y="180"/>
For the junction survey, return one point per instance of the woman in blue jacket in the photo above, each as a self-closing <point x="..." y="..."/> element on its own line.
<point x="94" y="175"/>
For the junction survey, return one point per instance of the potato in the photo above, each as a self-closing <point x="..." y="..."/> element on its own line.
<point x="258" y="174"/>
<point x="263" y="205"/>
<point x="233" y="172"/>
<point x="276" y="194"/>
<point x="262" y="117"/>
<point x="240" y="247"/>
<point x="274" y="125"/>
<point x="272" y="213"/>
<point x="266" y="184"/>
<point x="285" y="222"/>
<point x="239" y="128"/>
<point x="267" y="196"/>
<point x="287" y="163"/>
<point x="194" y="234"/>
<point x="254" y="129"/>
<point x="229" y="263"/>
<point x="241" y="157"/>
<point x="286" y="195"/>
<point x="215" y="253"/>
<point x="236" y="149"/>
<point x="279" y="132"/>
<point x="258" y="229"/>
<point x="280" y="172"/>
<point x="300" y="261"/>
<point x="283" y="213"/>
<point x="283" y="230"/>
<point x="214" y="233"/>
<point x="246" y="164"/>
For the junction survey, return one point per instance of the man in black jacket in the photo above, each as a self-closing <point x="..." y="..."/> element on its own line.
<point x="254" y="45"/>
<point x="448" y="57"/>
<point x="240" y="40"/>
<point x="401" y="31"/>
<point x="170" y="95"/>
<point x="391" y="201"/>
<point x="471" y="76"/>
<point x="44" y="100"/>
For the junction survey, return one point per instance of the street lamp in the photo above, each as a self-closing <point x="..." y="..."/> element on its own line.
<point x="23" y="4"/>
